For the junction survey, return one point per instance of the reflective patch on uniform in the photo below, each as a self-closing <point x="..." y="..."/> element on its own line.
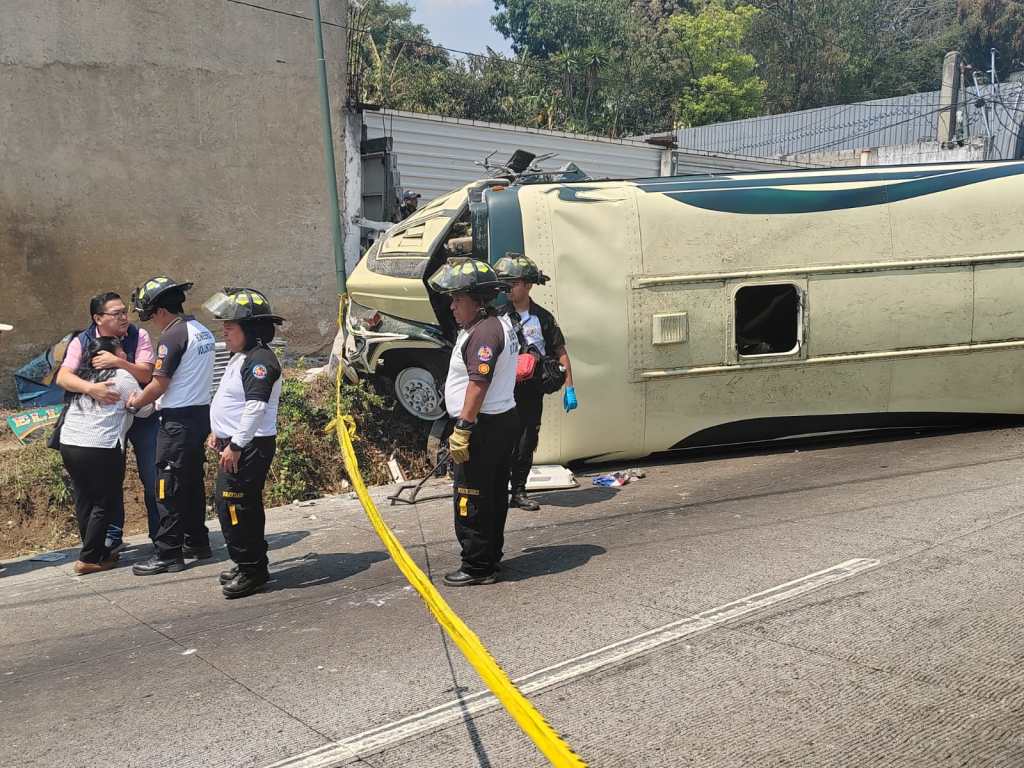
<point x="231" y="511"/>
<point x="163" y="482"/>
<point x="464" y="507"/>
<point x="159" y="364"/>
<point x="467" y="491"/>
<point x="232" y="495"/>
<point x="484" y="368"/>
<point x="162" y="350"/>
<point x="259" y="371"/>
<point x="484" y="354"/>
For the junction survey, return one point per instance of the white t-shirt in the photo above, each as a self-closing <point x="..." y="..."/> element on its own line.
<point x="486" y="353"/>
<point x="531" y="331"/>
<point x="186" y="354"/>
<point x="253" y="375"/>
<point x="89" y="424"/>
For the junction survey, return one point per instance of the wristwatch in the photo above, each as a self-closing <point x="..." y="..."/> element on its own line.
<point x="464" y="425"/>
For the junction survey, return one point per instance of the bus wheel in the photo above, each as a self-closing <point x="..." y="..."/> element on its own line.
<point x="417" y="391"/>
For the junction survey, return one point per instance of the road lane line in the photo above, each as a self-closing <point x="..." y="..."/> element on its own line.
<point x="381" y="737"/>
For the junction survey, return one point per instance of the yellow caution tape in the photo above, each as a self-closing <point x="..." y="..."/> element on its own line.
<point x="525" y="714"/>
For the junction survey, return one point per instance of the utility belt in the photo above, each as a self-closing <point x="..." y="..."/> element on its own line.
<point x="488" y="418"/>
<point x="220" y="443"/>
<point x="185" y="411"/>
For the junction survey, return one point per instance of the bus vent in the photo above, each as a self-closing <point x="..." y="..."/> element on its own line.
<point x="670" y="329"/>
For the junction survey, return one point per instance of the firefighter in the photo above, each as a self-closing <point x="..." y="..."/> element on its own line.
<point x="479" y="396"/>
<point x="541" y="336"/>
<point x="243" y="423"/>
<point x="182" y="380"/>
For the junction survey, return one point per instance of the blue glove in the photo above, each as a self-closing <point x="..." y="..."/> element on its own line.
<point x="569" y="399"/>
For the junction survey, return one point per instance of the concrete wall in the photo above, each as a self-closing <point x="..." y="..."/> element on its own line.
<point x="899" y="154"/>
<point x="162" y="136"/>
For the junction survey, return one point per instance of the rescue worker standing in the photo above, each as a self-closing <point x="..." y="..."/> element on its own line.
<point x="479" y="396"/>
<point x="182" y="380"/>
<point x="243" y="421"/>
<point x="542" y="336"/>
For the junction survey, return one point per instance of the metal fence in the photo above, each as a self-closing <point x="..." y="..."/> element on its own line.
<point x="991" y="112"/>
<point x="437" y="154"/>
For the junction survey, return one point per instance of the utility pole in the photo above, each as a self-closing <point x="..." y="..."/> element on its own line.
<point x="332" y="177"/>
<point x="946" y="128"/>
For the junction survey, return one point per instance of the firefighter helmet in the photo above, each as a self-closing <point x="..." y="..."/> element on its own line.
<point x="241" y="304"/>
<point x="466" y="275"/>
<point x="516" y="266"/>
<point x="144" y="298"/>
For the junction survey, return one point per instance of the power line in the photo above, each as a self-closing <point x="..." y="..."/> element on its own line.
<point x="497" y="59"/>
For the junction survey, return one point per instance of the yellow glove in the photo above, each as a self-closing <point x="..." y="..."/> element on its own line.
<point x="458" y="445"/>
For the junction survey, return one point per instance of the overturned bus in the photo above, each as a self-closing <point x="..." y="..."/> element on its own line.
<point x="712" y="310"/>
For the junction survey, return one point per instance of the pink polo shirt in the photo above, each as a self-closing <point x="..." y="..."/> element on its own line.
<point x="143" y="353"/>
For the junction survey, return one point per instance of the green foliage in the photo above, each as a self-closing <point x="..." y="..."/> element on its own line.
<point x="722" y="83"/>
<point x="626" y="67"/>
<point x="995" y="24"/>
<point x="308" y="462"/>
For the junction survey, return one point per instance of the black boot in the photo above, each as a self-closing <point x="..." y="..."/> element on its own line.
<point x="197" y="553"/>
<point x="155" y="565"/>
<point x="460" y="578"/>
<point x="521" y="500"/>
<point x="229" y="575"/>
<point x="245" y="584"/>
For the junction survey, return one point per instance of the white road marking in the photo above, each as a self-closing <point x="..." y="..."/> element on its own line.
<point x="377" y="739"/>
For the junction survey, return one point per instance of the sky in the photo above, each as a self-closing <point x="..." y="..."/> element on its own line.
<point x="461" y="24"/>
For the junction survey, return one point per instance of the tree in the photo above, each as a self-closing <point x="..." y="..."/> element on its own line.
<point x="990" y="24"/>
<point x="721" y="80"/>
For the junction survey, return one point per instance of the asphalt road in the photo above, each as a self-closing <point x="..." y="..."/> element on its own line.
<point x="849" y="605"/>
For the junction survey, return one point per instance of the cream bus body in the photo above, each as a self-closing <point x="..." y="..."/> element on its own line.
<point x="902" y="283"/>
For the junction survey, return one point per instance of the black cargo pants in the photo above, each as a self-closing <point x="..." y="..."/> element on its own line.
<point x="481" y="492"/>
<point x="530" y="407"/>
<point x="180" y="487"/>
<point x="239" y="497"/>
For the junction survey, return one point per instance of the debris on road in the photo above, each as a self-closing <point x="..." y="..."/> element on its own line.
<point x="618" y="479"/>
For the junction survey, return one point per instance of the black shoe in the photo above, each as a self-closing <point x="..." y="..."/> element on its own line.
<point x="197" y="553"/>
<point x="521" y="500"/>
<point x="155" y="565"/>
<point x="229" y="575"/>
<point x="245" y="584"/>
<point x="460" y="578"/>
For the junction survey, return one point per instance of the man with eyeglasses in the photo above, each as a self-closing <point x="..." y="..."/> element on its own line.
<point x="110" y="318"/>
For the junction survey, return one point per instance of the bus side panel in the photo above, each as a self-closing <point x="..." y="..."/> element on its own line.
<point x="681" y="407"/>
<point x="980" y="382"/>
<point x="686" y="239"/>
<point x="998" y="308"/>
<point x="875" y="312"/>
<point x="589" y="244"/>
<point x="977" y="218"/>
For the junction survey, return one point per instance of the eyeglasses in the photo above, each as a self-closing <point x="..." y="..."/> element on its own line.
<point x="121" y="313"/>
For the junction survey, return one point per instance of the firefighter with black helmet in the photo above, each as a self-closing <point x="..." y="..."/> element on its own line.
<point x="243" y="422"/>
<point x="541" y="336"/>
<point x="182" y="380"/>
<point x="479" y="396"/>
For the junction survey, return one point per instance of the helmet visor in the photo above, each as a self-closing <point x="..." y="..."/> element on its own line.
<point x="220" y="305"/>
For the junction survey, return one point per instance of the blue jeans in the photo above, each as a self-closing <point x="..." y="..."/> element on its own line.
<point x="142" y="436"/>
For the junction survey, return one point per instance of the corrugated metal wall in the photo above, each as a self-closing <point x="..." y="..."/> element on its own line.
<point x="437" y="154"/>
<point x="882" y="122"/>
